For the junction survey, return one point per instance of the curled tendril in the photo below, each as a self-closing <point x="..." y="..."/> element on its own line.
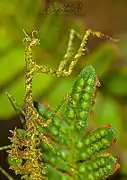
<point x="34" y="34"/>
<point x="32" y="40"/>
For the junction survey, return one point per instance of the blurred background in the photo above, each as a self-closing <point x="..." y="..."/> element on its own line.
<point x="53" y="21"/>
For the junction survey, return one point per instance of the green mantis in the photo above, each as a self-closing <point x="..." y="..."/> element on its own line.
<point x="55" y="147"/>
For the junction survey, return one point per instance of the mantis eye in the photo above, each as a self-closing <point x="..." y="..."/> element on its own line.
<point x="26" y="40"/>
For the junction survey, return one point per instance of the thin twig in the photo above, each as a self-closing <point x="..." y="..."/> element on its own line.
<point x="6" y="174"/>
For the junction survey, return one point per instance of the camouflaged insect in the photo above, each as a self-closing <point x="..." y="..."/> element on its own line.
<point x="59" y="147"/>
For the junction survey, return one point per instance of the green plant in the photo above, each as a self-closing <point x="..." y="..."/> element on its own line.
<point x="55" y="147"/>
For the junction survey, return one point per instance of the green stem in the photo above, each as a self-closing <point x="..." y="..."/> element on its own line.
<point x="5" y="173"/>
<point x="5" y="147"/>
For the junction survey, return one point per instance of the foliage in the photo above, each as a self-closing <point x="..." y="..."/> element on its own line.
<point x="54" y="147"/>
<point x="108" y="59"/>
